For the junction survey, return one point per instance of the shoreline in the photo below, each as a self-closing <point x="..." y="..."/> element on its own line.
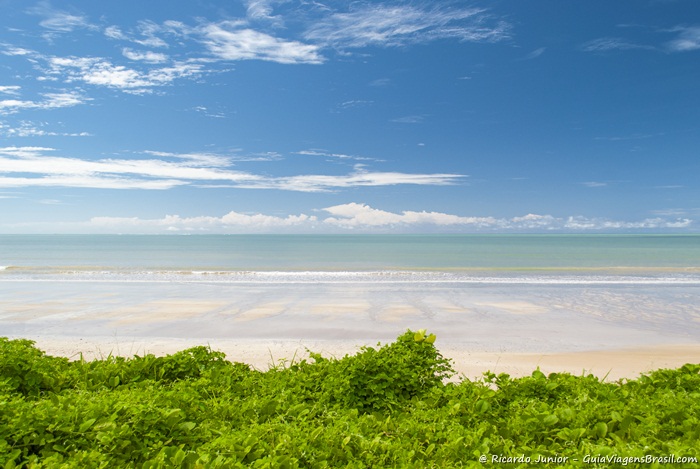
<point x="614" y="330"/>
<point x="610" y="364"/>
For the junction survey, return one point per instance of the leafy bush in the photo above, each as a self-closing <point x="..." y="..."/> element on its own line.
<point x="384" y="407"/>
<point x="29" y="371"/>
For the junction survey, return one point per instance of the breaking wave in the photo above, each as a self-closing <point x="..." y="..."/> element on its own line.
<point x="334" y="277"/>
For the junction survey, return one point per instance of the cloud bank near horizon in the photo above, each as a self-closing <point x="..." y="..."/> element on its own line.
<point x="352" y="218"/>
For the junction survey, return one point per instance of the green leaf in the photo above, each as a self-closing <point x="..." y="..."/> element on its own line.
<point x="550" y="420"/>
<point x="86" y="425"/>
<point x="187" y="426"/>
<point x="600" y="429"/>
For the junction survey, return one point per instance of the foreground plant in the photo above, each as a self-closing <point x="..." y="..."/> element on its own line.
<point x="389" y="406"/>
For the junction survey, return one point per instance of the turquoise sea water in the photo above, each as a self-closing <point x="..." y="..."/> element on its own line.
<point x="486" y="292"/>
<point x="329" y="258"/>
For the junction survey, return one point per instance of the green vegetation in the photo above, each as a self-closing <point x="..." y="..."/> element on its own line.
<point x="386" y="407"/>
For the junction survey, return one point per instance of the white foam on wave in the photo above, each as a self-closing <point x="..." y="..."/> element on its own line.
<point x="337" y="277"/>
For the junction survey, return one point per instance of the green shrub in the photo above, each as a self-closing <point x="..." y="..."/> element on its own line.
<point x="384" y="407"/>
<point x="29" y="371"/>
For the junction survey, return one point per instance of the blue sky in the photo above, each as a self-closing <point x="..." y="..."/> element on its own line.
<point x="341" y="117"/>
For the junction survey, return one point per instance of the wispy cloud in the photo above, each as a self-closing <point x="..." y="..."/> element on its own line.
<point x="210" y="113"/>
<point x="257" y="36"/>
<point x="355" y="103"/>
<point x="13" y="51"/>
<point x="413" y="119"/>
<point x="49" y="101"/>
<point x="688" y="39"/>
<point x="58" y="20"/>
<point x="397" y="25"/>
<point x="110" y="173"/>
<point x="261" y="10"/>
<point x="101" y="72"/>
<point x="11" y="90"/>
<point x="144" y="56"/>
<point x="233" y="40"/>
<point x="606" y="44"/>
<point x="380" y="82"/>
<point x="535" y="53"/>
<point x="636" y="136"/>
<point x="594" y="184"/>
<point x="32" y="129"/>
<point x="339" y="156"/>
<point x="168" y="170"/>
<point x="325" y="183"/>
<point x="146" y="70"/>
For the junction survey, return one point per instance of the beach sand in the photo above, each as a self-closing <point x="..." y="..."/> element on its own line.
<point x="610" y="331"/>
<point x="611" y="365"/>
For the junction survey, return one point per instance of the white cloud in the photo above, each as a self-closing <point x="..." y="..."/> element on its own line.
<point x="396" y="25"/>
<point x="101" y="72"/>
<point x="31" y="129"/>
<point x="688" y="39"/>
<point x="354" y="215"/>
<point x="414" y="119"/>
<point x="149" y="31"/>
<point x="114" y="32"/>
<point x="64" y="22"/>
<point x="50" y="101"/>
<point x="214" y="114"/>
<point x="106" y="173"/>
<point x="231" y="222"/>
<point x="226" y="40"/>
<point x="359" y="217"/>
<point x="231" y="40"/>
<point x="92" y="182"/>
<point x="535" y="53"/>
<point x="15" y="51"/>
<point x="339" y="156"/>
<point x="579" y="223"/>
<point x="593" y="184"/>
<point x="208" y="170"/>
<point x="532" y="220"/>
<point x="325" y="183"/>
<point x="606" y="44"/>
<point x="144" y="56"/>
<point x="380" y="82"/>
<point x="57" y="20"/>
<point x="11" y="90"/>
<point x="261" y="10"/>
<point x="25" y="152"/>
<point x="355" y="103"/>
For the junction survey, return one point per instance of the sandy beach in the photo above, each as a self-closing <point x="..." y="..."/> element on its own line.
<point x="611" y="331"/>
<point x="611" y="365"/>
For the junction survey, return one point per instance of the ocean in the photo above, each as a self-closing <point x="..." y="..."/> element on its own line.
<point x="520" y="293"/>
<point x="525" y="259"/>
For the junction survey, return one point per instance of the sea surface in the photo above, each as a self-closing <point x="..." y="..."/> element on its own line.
<point x="518" y="259"/>
<point x="520" y="293"/>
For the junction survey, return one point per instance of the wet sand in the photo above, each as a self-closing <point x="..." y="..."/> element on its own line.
<point x="608" y="330"/>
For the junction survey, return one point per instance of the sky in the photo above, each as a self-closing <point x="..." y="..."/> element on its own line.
<point x="332" y="116"/>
